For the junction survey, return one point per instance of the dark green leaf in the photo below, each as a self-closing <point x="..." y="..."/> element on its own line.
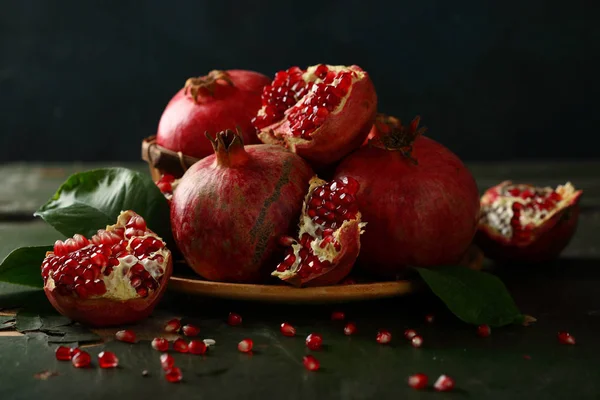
<point x="54" y="322"/>
<point x="6" y="322"/>
<point x="22" y="266"/>
<point x="28" y="322"/>
<point x="91" y="200"/>
<point x="473" y="296"/>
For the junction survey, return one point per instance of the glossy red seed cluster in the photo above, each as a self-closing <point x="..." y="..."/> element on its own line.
<point x="535" y="199"/>
<point x="165" y="183"/>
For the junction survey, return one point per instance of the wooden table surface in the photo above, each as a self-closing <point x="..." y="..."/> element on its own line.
<point x="514" y="363"/>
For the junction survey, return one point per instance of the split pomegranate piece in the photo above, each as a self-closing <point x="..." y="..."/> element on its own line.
<point x="321" y="113"/>
<point x="116" y="277"/>
<point x="330" y="229"/>
<point x="107" y="359"/>
<point x="525" y="223"/>
<point x="418" y="381"/>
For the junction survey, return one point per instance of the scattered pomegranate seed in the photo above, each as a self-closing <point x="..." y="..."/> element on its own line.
<point x="108" y="359"/>
<point x="209" y="342"/>
<point x="125" y="336"/>
<point x="484" y="330"/>
<point x="429" y="318"/>
<point x="311" y="363"/>
<point x="174" y="375"/>
<point x="444" y="384"/>
<point x="338" y="316"/>
<point x="314" y="341"/>
<point x="173" y="326"/>
<point x="190" y="330"/>
<point x="180" y="346"/>
<point x="145" y="372"/>
<point x="245" y="346"/>
<point x="410" y="333"/>
<point x="287" y="330"/>
<point x="81" y="359"/>
<point x="166" y="361"/>
<point x="63" y="353"/>
<point x="160" y="344"/>
<point x="74" y="351"/>
<point x="566" y="338"/>
<point x="234" y="319"/>
<point x="417" y="381"/>
<point x="197" y="347"/>
<point x="416" y="341"/>
<point x="383" y="337"/>
<point x="350" y="329"/>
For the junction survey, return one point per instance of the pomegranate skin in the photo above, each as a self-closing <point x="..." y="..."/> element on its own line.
<point x="421" y="214"/>
<point x="184" y="122"/>
<point x="230" y="209"/>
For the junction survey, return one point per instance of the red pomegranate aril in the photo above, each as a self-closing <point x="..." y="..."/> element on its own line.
<point x="174" y="375"/>
<point x="383" y="337"/>
<point x="287" y="329"/>
<point x="74" y="351"/>
<point x="311" y="363"/>
<point x="167" y="361"/>
<point x="81" y="360"/>
<point x="197" y="347"/>
<point x="314" y="341"/>
<point x="63" y="353"/>
<point x="173" y="326"/>
<point x="127" y="336"/>
<point x="180" y="346"/>
<point x="350" y="329"/>
<point x="416" y="341"/>
<point x="565" y="338"/>
<point x="484" y="330"/>
<point x="160" y="344"/>
<point x="234" y="319"/>
<point x="245" y="346"/>
<point x="417" y="381"/>
<point x="190" y="330"/>
<point x="107" y="359"/>
<point x="429" y="318"/>
<point x="338" y="316"/>
<point x="444" y="384"/>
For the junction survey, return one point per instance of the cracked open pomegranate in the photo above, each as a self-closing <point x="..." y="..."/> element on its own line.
<point x="421" y="202"/>
<point x="212" y="103"/>
<point x="230" y="209"/>
<point x="116" y="277"/>
<point x="321" y="113"/>
<point x="330" y="229"/>
<point x="524" y="223"/>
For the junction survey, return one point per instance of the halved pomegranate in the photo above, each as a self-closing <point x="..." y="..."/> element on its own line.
<point x="330" y="229"/>
<point x="116" y="277"/>
<point x="521" y="222"/>
<point x="321" y="113"/>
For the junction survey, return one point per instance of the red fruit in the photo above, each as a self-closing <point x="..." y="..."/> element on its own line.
<point x="190" y="330"/>
<point x="74" y="351"/>
<point x="63" y="353"/>
<point x="484" y="330"/>
<point x="410" y="333"/>
<point x="81" y="360"/>
<point x="173" y="326"/>
<point x="311" y="363"/>
<point x="287" y="330"/>
<point x="167" y="184"/>
<point x="180" y="346"/>
<point x="117" y="277"/>
<point x="230" y="209"/>
<point x="329" y="232"/>
<point x="565" y="338"/>
<point x="197" y="347"/>
<point x="167" y="361"/>
<point x="127" y="336"/>
<point x="245" y="346"/>
<point x="234" y="319"/>
<point x="383" y="337"/>
<point x="321" y="117"/>
<point x="174" y="375"/>
<point x="338" y="316"/>
<point x="314" y="341"/>
<point x="444" y="384"/>
<point x="212" y="103"/>
<point x="420" y="201"/>
<point x="350" y="329"/>
<point x="416" y="341"/>
<point x="107" y="359"/>
<point x="525" y="223"/>
<point x="160" y="344"/>
<point x="418" y="381"/>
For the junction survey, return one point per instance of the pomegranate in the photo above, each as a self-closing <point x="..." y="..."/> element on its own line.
<point x="521" y="222"/>
<point x="330" y="229"/>
<point x="167" y="184"/>
<point x="116" y="277"/>
<point x="212" y="103"/>
<point x="421" y="202"/>
<point x="230" y="209"/>
<point x="321" y="113"/>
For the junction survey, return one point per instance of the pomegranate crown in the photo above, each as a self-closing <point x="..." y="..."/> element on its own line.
<point x="229" y="147"/>
<point x="392" y="135"/>
<point x="205" y="84"/>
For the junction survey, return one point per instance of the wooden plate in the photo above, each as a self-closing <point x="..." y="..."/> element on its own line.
<point x="323" y="294"/>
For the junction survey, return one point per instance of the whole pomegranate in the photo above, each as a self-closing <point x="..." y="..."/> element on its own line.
<point x="212" y="103"/>
<point x="420" y="201"/>
<point x="116" y="277"/>
<point x="321" y="113"/>
<point x="329" y="235"/>
<point x="229" y="210"/>
<point x="524" y="223"/>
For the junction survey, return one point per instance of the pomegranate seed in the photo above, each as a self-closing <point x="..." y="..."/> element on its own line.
<point x="234" y="319"/>
<point x="484" y="330"/>
<point x="190" y="330"/>
<point x="145" y="372"/>
<point x="383" y="337"/>
<point x="416" y="341"/>
<point x="410" y="333"/>
<point x="166" y="361"/>
<point x="180" y="346"/>
<point x="74" y="351"/>
<point x="107" y="359"/>
<point x="429" y="318"/>
<point x="311" y="363"/>
<point x="125" y="336"/>
<point x="444" y="384"/>
<point x="81" y="359"/>
<point x="417" y="381"/>
<point x="160" y="344"/>
<point x="63" y="353"/>
<point x="197" y="347"/>
<point x="209" y="342"/>
<point x="173" y="326"/>
<point x="314" y="341"/>
<point x="245" y="346"/>
<point x="565" y="338"/>
<point x="287" y="330"/>
<point x="174" y="375"/>
<point x="338" y="316"/>
<point x="349" y="329"/>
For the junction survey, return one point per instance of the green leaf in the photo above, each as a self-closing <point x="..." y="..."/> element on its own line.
<point x="22" y="266"/>
<point x="27" y="321"/>
<point x="473" y="296"/>
<point x="6" y="322"/>
<point x="91" y="200"/>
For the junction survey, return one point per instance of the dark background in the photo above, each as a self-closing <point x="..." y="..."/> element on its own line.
<point x="87" y="80"/>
